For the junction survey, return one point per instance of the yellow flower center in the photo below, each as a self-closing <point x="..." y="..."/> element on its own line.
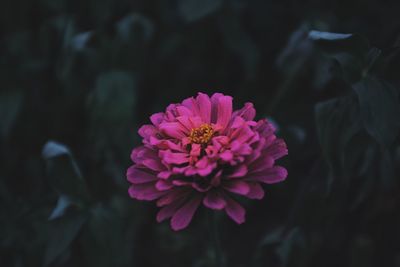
<point x="201" y="135"/>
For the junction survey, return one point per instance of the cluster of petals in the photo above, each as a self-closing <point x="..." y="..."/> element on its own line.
<point x="201" y="151"/>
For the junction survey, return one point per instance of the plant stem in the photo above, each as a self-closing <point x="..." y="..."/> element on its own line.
<point x="215" y="239"/>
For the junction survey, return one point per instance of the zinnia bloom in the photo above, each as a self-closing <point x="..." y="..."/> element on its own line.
<point x="201" y="151"/>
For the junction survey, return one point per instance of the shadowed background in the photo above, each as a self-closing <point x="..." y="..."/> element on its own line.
<point x="79" y="77"/>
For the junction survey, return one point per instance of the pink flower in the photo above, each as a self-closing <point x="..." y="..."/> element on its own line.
<point x="201" y="151"/>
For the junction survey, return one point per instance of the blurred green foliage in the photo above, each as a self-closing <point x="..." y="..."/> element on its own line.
<point x="79" y="77"/>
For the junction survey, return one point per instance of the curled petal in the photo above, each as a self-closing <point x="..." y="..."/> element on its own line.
<point x="184" y="215"/>
<point x="234" y="210"/>
<point x="204" y="105"/>
<point x="173" y="129"/>
<point x="144" y="192"/>
<point x="273" y="175"/>
<point x="214" y="200"/>
<point x="237" y="186"/>
<point x="256" y="191"/>
<point x="139" y="176"/>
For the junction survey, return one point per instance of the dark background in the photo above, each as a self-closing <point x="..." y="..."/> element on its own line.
<point x="78" y="78"/>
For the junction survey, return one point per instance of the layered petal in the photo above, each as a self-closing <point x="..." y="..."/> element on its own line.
<point x="200" y="151"/>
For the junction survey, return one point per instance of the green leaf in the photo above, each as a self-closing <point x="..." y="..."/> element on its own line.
<point x="350" y="50"/>
<point x="340" y="42"/>
<point x="192" y="10"/>
<point x="63" y="203"/>
<point x="337" y="121"/>
<point x="294" y="240"/>
<point x="62" y="232"/>
<point x="10" y="105"/>
<point x="63" y="171"/>
<point x="106" y="240"/>
<point x="112" y="101"/>
<point x="380" y="109"/>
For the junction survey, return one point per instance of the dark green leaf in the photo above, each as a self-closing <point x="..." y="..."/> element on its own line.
<point x="62" y="232"/>
<point x="106" y="240"/>
<point x="63" y="171"/>
<point x="294" y="240"/>
<point x="63" y="203"/>
<point x="337" y="122"/>
<point x="340" y="42"/>
<point x="10" y="105"/>
<point x="113" y="99"/>
<point x="350" y="50"/>
<point x="192" y="10"/>
<point x="380" y="109"/>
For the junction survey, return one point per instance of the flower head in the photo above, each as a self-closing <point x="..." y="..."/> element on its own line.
<point x="201" y="151"/>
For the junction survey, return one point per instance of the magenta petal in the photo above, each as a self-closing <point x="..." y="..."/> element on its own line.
<point x="247" y="112"/>
<point x="277" y="149"/>
<point x="163" y="185"/>
<point x="184" y="111"/>
<point x="270" y="176"/>
<point x="235" y="211"/>
<point x="227" y="155"/>
<point x="204" y="105"/>
<point x="237" y="187"/>
<point x="173" y="129"/>
<point x="214" y="200"/>
<point x="157" y="118"/>
<point x="147" y="130"/>
<point x="172" y="196"/>
<point x="173" y="158"/>
<point x="139" y="176"/>
<point x="144" y="192"/>
<point x="264" y="162"/>
<point x="184" y="215"/>
<point x="239" y="171"/>
<point x="224" y="111"/>
<point x="169" y="210"/>
<point x="256" y="191"/>
<point x="154" y="165"/>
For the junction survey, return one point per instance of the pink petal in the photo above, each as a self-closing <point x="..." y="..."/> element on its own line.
<point x="214" y="200"/>
<point x="247" y="112"/>
<point x="186" y="122"/>
<point x="238" y="187"/>
<point x="239" y="171"/>
<point x="169" y="210"/>
<point x="234" y="210"/>
<point x="138" y="176"/>
<point x="256" y="191"/>
<point x="173" y="158"/>
<point x="227" y="155"/>
<point x="165" y="144"/>
<point x="172" y="196"/>
<point x="192" y="105"/>
<point x="204" y="105"/>
<point x="263" y="163"/>
<point x="163" y="185"/>
<point x="144" y="192"/>
<point x="157" y="118"/>
<point x="164" y="174"/>
<point x="184" y="111"/>
<point x="277" y="149"/>
<point x="148" y="158"/>
<point x="195" y="150"/>
<point x="154" y="165"/>
<point x="214" y="106"/>
<point x="147" y="130"/>
<point x="224" y="111"/>
<point x="173" y="129"/>
<point x="270" y="176"/>
<point x="184" y="215"/>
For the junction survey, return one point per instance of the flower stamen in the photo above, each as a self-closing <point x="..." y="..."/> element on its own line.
<point x="201" y="135"/>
